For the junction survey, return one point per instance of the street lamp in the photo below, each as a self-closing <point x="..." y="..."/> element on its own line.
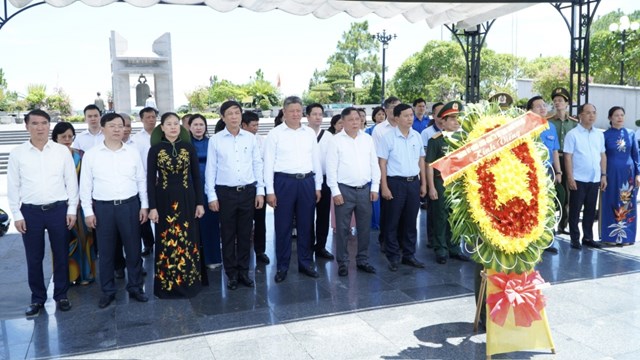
<point x="623" y="27"/>
<point x="384" y="39"/>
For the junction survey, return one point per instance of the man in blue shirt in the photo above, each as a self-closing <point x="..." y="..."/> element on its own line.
<point x="586" y="166"/>
<point x="403" y="183"/>
<point x="420" y="117"/>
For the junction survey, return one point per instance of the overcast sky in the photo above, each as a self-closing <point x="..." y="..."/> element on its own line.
<point x="69" y="47"/>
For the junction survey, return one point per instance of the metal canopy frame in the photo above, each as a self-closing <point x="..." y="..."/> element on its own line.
<point x="471" y="41"/>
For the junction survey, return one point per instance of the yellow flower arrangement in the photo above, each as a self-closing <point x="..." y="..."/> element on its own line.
<point x="502" y="204"/>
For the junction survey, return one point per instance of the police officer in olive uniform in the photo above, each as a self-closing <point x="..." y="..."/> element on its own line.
<point x="437" y="148"/>
<point x="563" y="123"/>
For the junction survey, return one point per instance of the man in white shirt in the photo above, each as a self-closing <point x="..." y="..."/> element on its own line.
<point x="126" y="138"/>
<point x="234" y="186"/>
<point x="151" y="102"/>
<point x="291" y="159"/>
<point x="353" y="175"/>
<point x="93" y="135"/>
<point x="315" y="112"/>
<point x="42" y="189"/>
<point x="250" y="122"/>
<point x="113" y="194"/>
<point x="142" y="141"/>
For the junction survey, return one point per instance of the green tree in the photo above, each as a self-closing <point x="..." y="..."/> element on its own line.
<point x="223" y="90"/>
<point x="606" y="51"/>
<point x="260" y="89"/>
<point x="357" y="50"/>
<point x="435" y="73"/>
<point x="372" y="95"/>
<point x="198" y="98"/>
<point x="36" y="95"/>
<point x="498" y="73"/>
<point x="59" y="101"/>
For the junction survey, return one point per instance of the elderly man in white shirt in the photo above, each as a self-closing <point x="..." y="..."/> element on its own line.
<point x="93" y="135"/>
<point x="234" y="186"/>
<point x="353" y="175"/>
<point x="42" y="189"/>
<point x="113" y="194"/>
<point x="292" y="176"/>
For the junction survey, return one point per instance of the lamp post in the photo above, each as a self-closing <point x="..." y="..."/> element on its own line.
<point x="384" y="38"/>
<point x="623" y="27"/>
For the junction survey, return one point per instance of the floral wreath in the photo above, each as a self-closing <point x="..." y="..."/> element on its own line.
<point x="502" y="205"/>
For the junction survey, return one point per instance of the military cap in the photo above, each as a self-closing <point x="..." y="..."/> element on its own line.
<point x="450" y="108"/>
<point x="504" y="100"/>
<point x="560" y="92"/>
<point x="638" y="122"/>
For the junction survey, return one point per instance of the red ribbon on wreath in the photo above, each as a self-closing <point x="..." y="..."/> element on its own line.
<point x="520" y="292"/>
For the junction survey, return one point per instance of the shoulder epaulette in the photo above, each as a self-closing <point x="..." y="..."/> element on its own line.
<point x="436" y="135"/>
<point x="572" y="118"/>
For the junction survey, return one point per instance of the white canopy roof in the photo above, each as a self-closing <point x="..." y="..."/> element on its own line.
<point x="462" y="14"/>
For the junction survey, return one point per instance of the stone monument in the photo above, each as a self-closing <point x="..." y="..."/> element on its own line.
<point x="125" y="64"/>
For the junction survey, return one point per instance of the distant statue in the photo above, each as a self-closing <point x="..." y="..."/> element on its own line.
<point x="99" y="103"/>
<point x="142" y="91"/>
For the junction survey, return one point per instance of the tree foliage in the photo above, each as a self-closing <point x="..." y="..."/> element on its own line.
<point x="36" y="95"/>
<point x="606" y="51"/>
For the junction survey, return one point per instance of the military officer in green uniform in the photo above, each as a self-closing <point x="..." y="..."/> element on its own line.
<point x="437" y="148"/>
<point x="563" y="123"/>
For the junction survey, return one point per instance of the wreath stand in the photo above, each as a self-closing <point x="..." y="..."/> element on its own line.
<point x="542" y="326"/>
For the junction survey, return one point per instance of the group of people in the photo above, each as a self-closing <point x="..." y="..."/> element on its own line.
<point x="585" y="163"/>
<point x="206" y="195"/>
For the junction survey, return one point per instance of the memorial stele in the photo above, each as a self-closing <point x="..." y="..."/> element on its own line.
<point x="125" y="64"/>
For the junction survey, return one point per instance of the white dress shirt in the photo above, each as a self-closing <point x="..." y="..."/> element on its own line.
<point x="41" y="177"/>
<point x="142" y="141"/>
<point x="379" y="132"/>
<point x="112" y="175"/>
<point x="233" y="161"/>
<point x="291" y="151"/>
<point x="352" y="162"/>
<point x="86" y="140"/>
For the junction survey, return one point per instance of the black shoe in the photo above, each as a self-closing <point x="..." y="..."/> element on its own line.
<point x="393" y="266"/>
<point x="33" y="309"/>
<point x="367" y="268"/>
<point x="551" y="249"/>
<point x="246" y="280"/>
<point x="146" y="251"/>
<point x="105" y="300"/>
<point x="309" y="271"/>
<point x="139" y="296"/>
<point x="119" y="274"/>
<point x="343" y="270"/>
<point x="323" y="253"/>
<point x="281" y="275"/>
<point x="413" y="262"/>
<point x="441" y="259"/>
<point x="232" y="284"/>
<point x="63" y="305"/>
<point x="461" y="257"/>
<point x="591" y="243"/>
<point x="263" y="258"/>
<point x="576" y="245"/>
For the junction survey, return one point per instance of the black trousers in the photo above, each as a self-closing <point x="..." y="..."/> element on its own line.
<point x="585" y="196"/>
<point x="52" y="218"/>
<point x="113" y="221"/>
<point x="237" y="207"/>
<point x="400" y="220"/>
<point x="260" y="230"/>
<point x="319" y="236"/>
